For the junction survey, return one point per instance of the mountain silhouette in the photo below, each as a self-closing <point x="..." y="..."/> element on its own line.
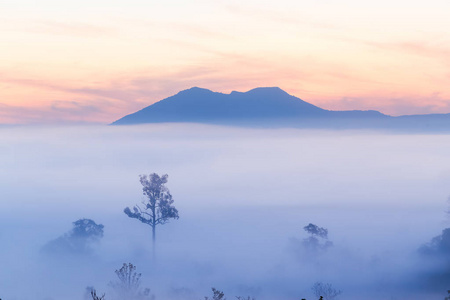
<point x="270" y="107"/>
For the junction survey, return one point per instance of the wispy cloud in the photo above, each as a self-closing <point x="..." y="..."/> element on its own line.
<point x="110" y="100"/>
<point x="277" y="16"/>
<point x="196" y="30"/>
<point x="74" y="29"/>
<point x="62" y="28"/>
<point x="106" y="100"/>
<point x="431" y="47"/>
<point x="60" y="112"/>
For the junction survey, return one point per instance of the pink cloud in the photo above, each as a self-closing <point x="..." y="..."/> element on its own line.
<point x="318" y="83"/>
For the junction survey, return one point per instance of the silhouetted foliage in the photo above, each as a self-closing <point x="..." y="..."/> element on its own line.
<point x="318" y="239"/>
<point x="217" y="295"/>
<point x="84" y="234"/>
<point x="446" y="298"/>
<point x="245" y="298"/>
<point x="88" y="293"/>
<point x="436" y="255"/>
<point x="95" y="297"/>
<point x="315" y="230"/>
<point x="86" y="228"/>
<point x="325" y="291"/>
<point x="128" y="285"/>
<point x="158" y="206"/>
<point x="439" y="245"/>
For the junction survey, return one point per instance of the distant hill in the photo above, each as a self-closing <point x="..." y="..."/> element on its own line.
<point x="270" y="107"/>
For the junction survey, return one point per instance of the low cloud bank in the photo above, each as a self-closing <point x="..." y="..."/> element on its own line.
<point x="244" y="199"/>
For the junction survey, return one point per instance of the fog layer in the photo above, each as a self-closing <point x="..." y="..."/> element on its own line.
<point x="243" y="196"/>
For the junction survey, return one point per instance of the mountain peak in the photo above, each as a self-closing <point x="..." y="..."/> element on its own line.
<point x="195" y="89"/>
<point x="259" y="90"/>
<point x="263" y="91"/>
<point x="269" y="92"/>
<point x="270" y="89"/>
<point x="269" y="107"/>
<point x="205" y="106"/>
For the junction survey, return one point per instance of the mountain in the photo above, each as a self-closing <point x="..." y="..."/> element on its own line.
<point x="202" y="105"/>
<point x="269" y="107"/>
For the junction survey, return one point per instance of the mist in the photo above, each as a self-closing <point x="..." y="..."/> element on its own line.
<point x="243" y="196"/>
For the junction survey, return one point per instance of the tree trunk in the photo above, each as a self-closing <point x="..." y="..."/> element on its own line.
<point x="154" y="242"/>
<point x="154" y="232"/>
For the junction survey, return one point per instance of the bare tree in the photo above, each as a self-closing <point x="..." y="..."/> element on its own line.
<point x="95" y="297"/>
<point x="128" y="286"/>
<point x="325" y="291"/>
<point x="158" y="206"/>
<point x="88" y="292"/>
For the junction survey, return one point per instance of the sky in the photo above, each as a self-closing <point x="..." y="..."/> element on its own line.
<point x="96" y="61"/>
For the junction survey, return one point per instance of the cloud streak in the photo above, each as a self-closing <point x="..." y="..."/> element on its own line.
<point x="60" y="112"/>
<point x="311" y="78"/>
<point x="109" y="101"/>
<point x="77" y="29"/>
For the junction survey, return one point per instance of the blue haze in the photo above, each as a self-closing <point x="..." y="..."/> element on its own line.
<point x="243" y="195"/>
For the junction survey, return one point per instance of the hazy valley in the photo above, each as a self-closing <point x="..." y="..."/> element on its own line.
<point x="243" y="196"/>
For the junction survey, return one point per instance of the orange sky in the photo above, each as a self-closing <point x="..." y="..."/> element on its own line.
<point x="95" y="61"/>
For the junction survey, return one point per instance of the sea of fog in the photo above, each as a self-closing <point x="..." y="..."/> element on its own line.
<point x="243" y="195"/>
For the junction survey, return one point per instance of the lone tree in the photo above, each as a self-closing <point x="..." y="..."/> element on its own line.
<point x="158" y="206"/>
<point x="315" y="232"/>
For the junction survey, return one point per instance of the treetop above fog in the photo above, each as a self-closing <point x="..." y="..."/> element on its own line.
<point x="315" y="230"/>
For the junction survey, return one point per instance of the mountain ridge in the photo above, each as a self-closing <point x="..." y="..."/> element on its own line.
<point x="269" y="107"/>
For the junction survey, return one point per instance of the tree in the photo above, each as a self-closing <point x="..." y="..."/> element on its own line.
<point x="128" y="286"/>
<point x="217" y="295"/>
<point x="325" y="290"/>
<point x="85" y="232"/>
<point x="312" y="243"/>
<point x="95" y="297"/>
<point x="88" y="293"/>
<point x="315" y="230"/>
<point x="128" y="279"/>
<point x="158" y="206"/>
<point x="438" y="246"/>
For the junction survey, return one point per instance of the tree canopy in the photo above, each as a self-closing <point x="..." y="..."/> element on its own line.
<point x="84" y="234"/>
<point x="157" y="208"/>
